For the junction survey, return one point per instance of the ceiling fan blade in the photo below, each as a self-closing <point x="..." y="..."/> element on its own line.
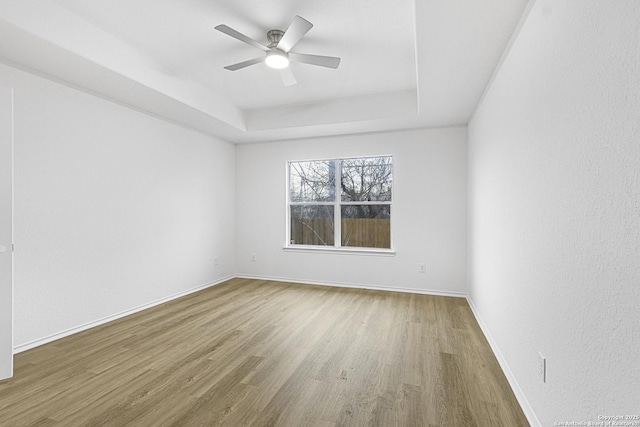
<point x="288" y="79"/>
<point x="323" y="61"/>
<point x="297" y="29"/>
<point x="244" y="64"/>
<point x="236" y="35"/>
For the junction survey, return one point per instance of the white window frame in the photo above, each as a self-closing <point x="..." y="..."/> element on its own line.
<point x="337" y="213"/>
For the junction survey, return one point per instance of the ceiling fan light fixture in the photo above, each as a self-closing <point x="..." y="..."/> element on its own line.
<point x="278" y="52"/>
<point x="277" y="59"/>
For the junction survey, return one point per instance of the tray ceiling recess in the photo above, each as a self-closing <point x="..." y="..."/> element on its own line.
<point x="382" y="65"/>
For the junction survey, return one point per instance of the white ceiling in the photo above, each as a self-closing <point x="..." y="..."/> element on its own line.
<point x="405" y="64"/>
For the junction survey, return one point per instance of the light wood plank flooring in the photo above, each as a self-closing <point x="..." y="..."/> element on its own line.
<point x="259" y="353"/>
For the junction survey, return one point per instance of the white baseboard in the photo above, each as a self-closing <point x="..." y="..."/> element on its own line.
<point x="356" y="286"/>
<point x="23" y="347"/>
<point x="522" y="399"/>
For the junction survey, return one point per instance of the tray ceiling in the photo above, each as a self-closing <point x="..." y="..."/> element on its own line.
<point x="405" y="64"/>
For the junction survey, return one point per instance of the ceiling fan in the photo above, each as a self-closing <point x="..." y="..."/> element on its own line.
<point x="278" y="51"/>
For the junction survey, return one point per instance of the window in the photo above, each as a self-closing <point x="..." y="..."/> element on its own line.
<point x="342" y="203"/>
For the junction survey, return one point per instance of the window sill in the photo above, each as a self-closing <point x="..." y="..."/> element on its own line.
<point x="343" y="251"/>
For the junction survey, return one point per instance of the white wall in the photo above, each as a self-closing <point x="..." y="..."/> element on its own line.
<point x="428" y="213"/>
<point x="554" y="198"/>
<point x="114" y="209"/>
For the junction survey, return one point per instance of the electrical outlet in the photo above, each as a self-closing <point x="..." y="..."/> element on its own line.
<point x="253" y="257"/>
<point x="215" y="261"/>
<point x="542" y="367"/>
<point x="423" y="268"/>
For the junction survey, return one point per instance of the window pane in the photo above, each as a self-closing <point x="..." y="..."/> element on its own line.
<point x="312" y="181"/>
<point x="366" y="226"/>
<point x="312" y="225"/>
<point x="366" y="179"/>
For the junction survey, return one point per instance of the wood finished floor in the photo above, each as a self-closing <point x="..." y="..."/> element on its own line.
<point x="258" y="353"/>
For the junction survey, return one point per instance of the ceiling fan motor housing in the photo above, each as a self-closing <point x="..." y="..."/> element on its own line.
<point x="274" y="37"/>
<point x="276" y="58"/>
